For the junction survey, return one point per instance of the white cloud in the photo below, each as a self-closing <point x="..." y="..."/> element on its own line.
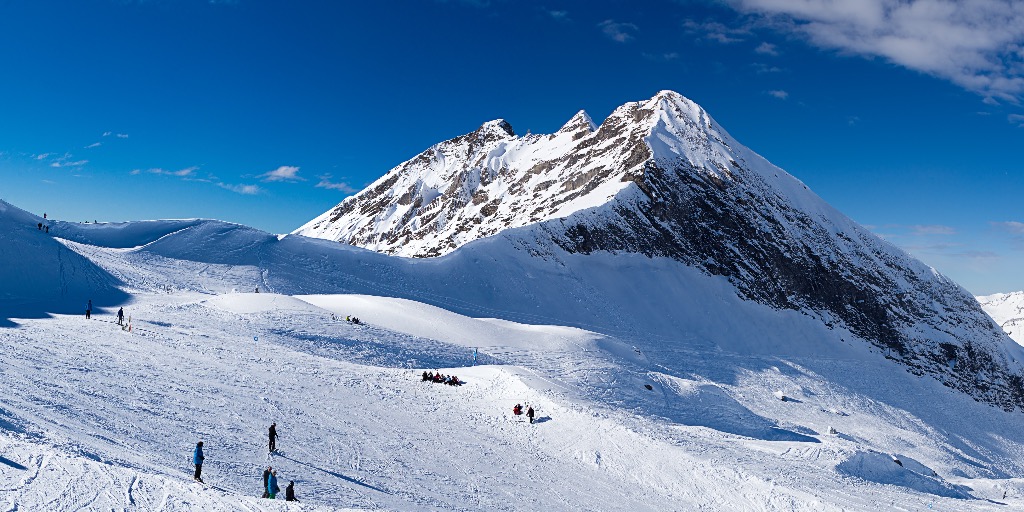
<point x="242" y="189"/>
<point x="976" y="44"/>
<point x="618" y="32"/>
<point x="716" y="31"/>
<point x="283" y="173"/>
<point x="107" y="134"/>
<point x="779" y="94"/>
<point x="94" y="145"/>
<point x="1012" y="226"/>
<point x="559" y="15"/>
<point x="767" y="49"/>
<point x="181" y="173"/>
<point x="325" y="182"/>
<point x="922" y="230"/>
<point x="1016" y="119"/>
<point x="122" y="135"/>
<point x="42" y="156"/>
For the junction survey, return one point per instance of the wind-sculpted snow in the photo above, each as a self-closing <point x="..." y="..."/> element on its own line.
<point x="39" y="275"/>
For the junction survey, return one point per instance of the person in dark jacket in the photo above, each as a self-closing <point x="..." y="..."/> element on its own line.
<point x="197" y="459"/>
<point x="289" y="492"/>
<point x="273" y="437"/>
<point x="529" y="413"/>
<point x="266" y="477"/>
<point x="88" y="309"/>
<point x="272" y="488"/>
<point x="120" y="316"/>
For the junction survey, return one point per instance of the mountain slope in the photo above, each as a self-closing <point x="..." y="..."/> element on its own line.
<point x="1007" y="309"/>
<point x="662" y="179"/>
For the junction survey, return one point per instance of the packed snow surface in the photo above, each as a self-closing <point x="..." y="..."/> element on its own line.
<point x="682" y="413"/>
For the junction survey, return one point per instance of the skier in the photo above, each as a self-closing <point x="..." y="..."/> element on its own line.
<point x="266" y="477"/>
<point x="88" y="310"/>
<point x="272" y="488"/>
<point x="529" y="413"/>
<point x="289" y="492"/>
<point x="197" y="459"/>
<point x="120" y="316"/>
<point x="273" y="437"/>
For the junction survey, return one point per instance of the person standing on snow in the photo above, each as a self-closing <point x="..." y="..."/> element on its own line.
<point x="272" y="488"/>
<point x="120" y="316"/>
<point x="529" y="413"/>
<point x="273" y="437"/>
<point x="88" y="310"/>
<point x="289" y="492"/>
<point x="266" y="477"/>
<point x="197" y="459"/>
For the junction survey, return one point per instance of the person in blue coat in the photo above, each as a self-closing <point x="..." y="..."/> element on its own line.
<point x="272" y="488"/>
<point x="197" y="459"/>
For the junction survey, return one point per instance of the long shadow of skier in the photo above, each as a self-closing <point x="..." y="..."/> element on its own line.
<point x="332" y="473"/>
<point x="11" y="463"/>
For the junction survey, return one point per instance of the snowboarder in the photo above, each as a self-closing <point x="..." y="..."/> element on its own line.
<point x="529" y="413"/>
<point x="88" y="310"/>
<point x="272" y="488"/>
<point x="273" y="437"/>
<point x="289" y="492"/>
<point x="266" y="477"/>
<point x="197" y="459"/>
<point x="120" y="316"/>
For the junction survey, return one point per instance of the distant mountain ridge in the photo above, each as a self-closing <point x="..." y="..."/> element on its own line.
<point x="1007" y="309"/>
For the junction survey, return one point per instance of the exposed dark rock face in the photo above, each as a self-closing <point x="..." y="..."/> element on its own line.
<point x="660" y="178"/>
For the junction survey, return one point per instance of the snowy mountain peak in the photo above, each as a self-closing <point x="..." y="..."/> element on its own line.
<point x="579" y="126"/>
<point x="660" y="178"/>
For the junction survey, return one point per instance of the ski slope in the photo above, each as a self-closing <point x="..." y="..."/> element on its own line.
<point x="95" y="417"/>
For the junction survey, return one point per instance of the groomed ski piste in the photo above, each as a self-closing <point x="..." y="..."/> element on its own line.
<point x="751" y="409"/>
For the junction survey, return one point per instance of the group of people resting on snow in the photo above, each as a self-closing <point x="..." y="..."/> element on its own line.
<point x="451" y="380"/>
<point x="270" y="487"/>
<point x="518" y="409"/>
<point x="349" y="318"/>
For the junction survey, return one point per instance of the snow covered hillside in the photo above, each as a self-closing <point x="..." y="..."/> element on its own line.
<point x="705" y="401"/>
<point x="660" y="179"/>
<point x="1007" y="309"/>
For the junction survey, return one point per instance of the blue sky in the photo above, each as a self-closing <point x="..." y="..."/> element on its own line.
<point x="905" y="115"/>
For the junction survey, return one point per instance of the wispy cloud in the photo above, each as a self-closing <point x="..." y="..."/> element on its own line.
<point x="107" y="134"/>
<point x="976" y="44"/>
<point x="42" y="156"/>
<point x="249" y="190"/>
<point x="778" y="94"/>
<point x="935" y="229"/>
<point x="661" y="57"/>
<point x="618" y="32"/>
<point x="283" y="173"/>
<point x="1013" y="227"/>
<point x="558" y="15"/>
<point x="767" y="49"/>
<point x="325" y="182"/>
<point x="94" y="145"/>
<point x="65" y="161"/>
<point x="122" y="135"/>
<point x="181" y="173"/>
<point x="1016" y="119"/>
<point x="717" y="31"/>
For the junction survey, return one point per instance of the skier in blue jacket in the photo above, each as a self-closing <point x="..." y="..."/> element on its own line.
<point x="197" y="459"/>
<point x="272" y="488"/>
